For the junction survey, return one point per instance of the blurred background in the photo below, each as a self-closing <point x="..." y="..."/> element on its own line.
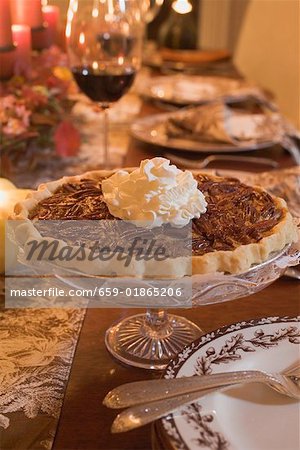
<point x="263" y="36"/>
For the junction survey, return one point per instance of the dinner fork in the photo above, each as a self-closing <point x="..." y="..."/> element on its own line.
<point x="181" y="391"/>
<point x="201" y="164"/>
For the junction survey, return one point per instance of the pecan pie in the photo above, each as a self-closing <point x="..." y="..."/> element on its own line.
<point x="242" y="225"/>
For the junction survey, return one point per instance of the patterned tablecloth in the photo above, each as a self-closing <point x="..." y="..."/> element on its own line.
<point x="36" y="353"/>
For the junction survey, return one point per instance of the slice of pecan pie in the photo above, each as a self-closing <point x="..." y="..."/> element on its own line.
<point x="242" y="224"/>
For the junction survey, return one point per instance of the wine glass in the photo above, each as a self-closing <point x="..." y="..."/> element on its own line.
<point x="104" y="39"/>
<point x="150" y="9"/>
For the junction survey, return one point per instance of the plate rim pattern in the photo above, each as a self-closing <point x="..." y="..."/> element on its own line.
<point x="217" y="440"/>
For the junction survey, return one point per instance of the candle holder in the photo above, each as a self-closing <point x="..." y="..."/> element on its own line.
<point x="38" y="37"/>
<point x="7" y="61"/>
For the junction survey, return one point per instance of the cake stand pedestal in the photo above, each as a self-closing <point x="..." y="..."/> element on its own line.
<point x="152" y="339"/>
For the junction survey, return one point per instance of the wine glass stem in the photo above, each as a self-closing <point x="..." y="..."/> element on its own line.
<point x="105" y="135"/>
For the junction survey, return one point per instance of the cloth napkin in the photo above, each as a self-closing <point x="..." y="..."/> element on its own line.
<point x="90" y="123"/>
<point x="218" y="122"/>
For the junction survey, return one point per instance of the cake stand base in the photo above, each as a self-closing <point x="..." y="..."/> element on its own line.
<point x="150" y="340"/>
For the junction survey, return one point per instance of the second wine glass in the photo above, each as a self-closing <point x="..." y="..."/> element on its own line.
<point x="150" y="9"/>
<point x="104" y="39"/>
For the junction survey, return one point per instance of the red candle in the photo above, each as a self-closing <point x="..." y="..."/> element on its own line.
<point x="5" y="24"/>
<point x="27" y="12"/>
<point x="22" y="40"/>
<point x="51" y="17"/>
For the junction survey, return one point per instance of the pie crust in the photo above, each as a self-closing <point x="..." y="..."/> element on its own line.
<point x="237" y="260"/>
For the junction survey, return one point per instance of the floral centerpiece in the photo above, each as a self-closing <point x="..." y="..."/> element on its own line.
<point x="34" y="113"/>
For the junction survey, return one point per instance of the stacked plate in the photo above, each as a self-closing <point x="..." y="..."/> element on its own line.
<point x="248" y="417"/>
<point x="183" y="90"/>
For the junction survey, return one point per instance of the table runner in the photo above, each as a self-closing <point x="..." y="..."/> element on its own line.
<point x="36" y="353"/>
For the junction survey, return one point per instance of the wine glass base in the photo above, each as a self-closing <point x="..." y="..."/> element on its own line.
<point x="132" y="342"/>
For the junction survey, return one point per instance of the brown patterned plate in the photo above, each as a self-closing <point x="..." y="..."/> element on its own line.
<point x="245" y="417"/>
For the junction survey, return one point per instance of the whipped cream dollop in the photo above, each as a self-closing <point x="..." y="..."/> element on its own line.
<point x="154" y="194"/>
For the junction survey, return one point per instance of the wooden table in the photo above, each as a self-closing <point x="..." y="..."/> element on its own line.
<point x="85" y="423"/>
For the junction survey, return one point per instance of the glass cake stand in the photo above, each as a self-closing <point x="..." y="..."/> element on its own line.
<point x="152" y="339"/>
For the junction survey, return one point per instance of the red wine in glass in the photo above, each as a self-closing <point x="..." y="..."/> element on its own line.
<point x="104" y="41"/>
<point x="104" y="86"/>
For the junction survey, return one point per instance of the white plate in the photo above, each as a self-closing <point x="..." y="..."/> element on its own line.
<point x="151" y="130"/>
<point x="247" y="417"/>
<point x="194" y="90"/>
